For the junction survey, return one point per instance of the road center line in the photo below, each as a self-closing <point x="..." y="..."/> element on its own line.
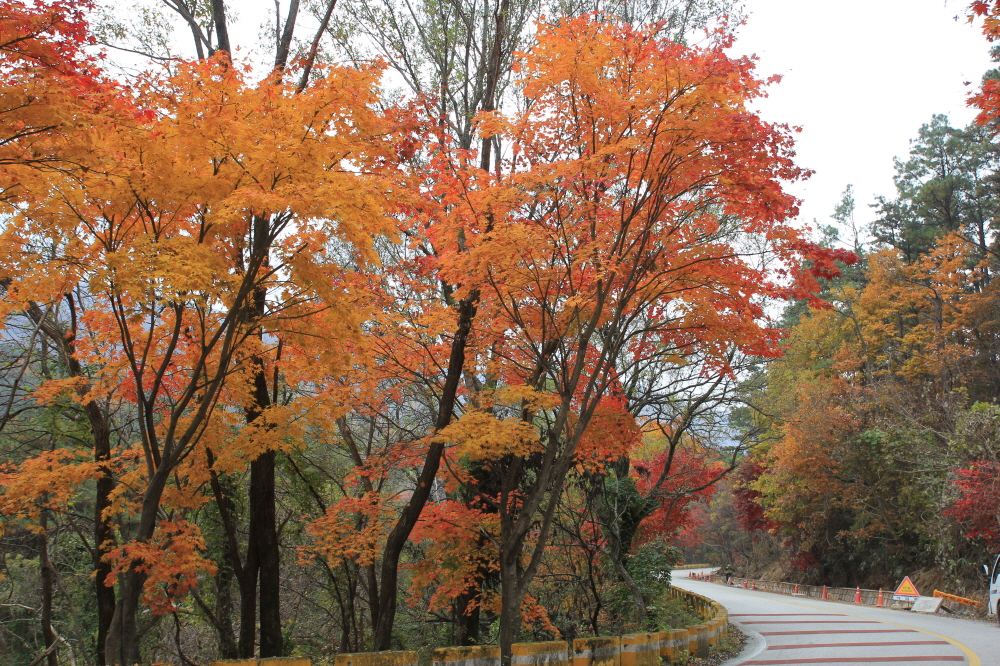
<point x="834" y="645"/>
<point x="836" y="631"/>
<point x="811" y="622"/>
<point x="786" y="615"/>
<point x="851" y="660"/>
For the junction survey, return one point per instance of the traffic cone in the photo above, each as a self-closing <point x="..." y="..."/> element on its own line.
<point x="744" y="583"/>
<point x="881" y="601"/>
<point x="825" y="597"/>
<point x="753" y="585"/>
<point x="796" y="589"/>
<point x="857" y="595"/>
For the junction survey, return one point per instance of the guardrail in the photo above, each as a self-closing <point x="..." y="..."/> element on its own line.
<point x="855" y="595"/>
<point x="672" y="646"/>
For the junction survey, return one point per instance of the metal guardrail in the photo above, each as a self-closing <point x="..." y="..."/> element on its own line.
<point x="848" y="594"/>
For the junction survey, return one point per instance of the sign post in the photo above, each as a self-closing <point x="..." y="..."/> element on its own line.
<point x="906" y="591"/>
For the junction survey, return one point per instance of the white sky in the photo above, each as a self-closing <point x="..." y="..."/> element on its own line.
<point x="860" y="78"/>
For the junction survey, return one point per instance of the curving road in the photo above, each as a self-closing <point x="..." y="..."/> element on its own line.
<point x="799" y="630"/>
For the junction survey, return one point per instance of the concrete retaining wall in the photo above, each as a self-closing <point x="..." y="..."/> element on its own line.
<point x="632" y="650"/>
<point x="602" y="651"/>
<point x="266" y="661"/>
<point x="641" y="649"/>
<point x="478" y="655"/>
<point x="546" y="652"/>
<point x="404" y="658"/>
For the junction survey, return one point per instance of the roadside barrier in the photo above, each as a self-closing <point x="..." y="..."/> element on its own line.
<point x="547" y="652"/>
<point x="406" y="658"/>
<point x="672" y="642"/>
<point x="856" y="595"/>
<point x="960" y="600"/>
<point x="647" y="649"/>
<point x="266" y="661"/>
<point x="475" y="655"/>
<point x="641" y="649"/>
<point x="602" y="651"/>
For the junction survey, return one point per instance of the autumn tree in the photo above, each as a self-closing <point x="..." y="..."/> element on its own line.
<point x="611" y="240"/>
<point x="173" y="227"/>
<point x="257" y="570"/>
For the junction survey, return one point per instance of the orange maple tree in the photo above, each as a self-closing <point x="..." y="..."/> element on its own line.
<point x="607" y="237"/>
<point x="221" y="188"/>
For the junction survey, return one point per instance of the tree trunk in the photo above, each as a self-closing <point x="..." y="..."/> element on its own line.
<point x="228" y="648"/>
<point x="467" y="616"/>
<point x="46" y="571"/>
<point x="411" y="512"/>
<point x="104" y="534"/>
<point x="248" y="603"/>
<point x="510" y="602"/>
<point x="122" y="645"/>
<point x="264" y="538"/>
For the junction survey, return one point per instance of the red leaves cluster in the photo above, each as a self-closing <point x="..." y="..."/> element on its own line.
<point x="48" y="34"/>
<point x="979" y="504"/>
<point x="988" y="97"/>
<point x="690" y="480"/>
<point x="749" y="511"/>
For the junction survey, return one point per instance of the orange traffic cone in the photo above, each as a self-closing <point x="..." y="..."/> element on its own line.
<point x="796" y="589"/>
<point x="753" y="585"/>
<point x="881" y="601"/>
<point x="857" y="595"/>
<point x="825" y="597"/>
<point x="744" y="583"/>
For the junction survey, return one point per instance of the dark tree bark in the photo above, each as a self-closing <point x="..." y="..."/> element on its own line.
<point x="104" y="536"/>
<point x="221" y="27"/>
<point x="47" y="574"/>
<point x="432" y="461"/>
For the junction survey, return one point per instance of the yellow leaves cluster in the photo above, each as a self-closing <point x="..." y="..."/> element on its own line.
<point x="485" y="434"/>
<point x="916" y="319"/>
<point x="480" y="436"/>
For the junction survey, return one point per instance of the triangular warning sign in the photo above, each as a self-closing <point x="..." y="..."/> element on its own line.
<point x="907" y="588"/>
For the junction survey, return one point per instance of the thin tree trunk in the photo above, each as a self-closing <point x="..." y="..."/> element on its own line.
<point x="104" y="534"/>
<point x="263" y="555"/>
<point x="122" y="645"/>
<point x="411" y="512"/>
<point x="46" y="571"/>
<point x="456" y="362"/>
<point x="510" y="602"/>
<point x="248" y="602"/>
<point x="228" y="648"/>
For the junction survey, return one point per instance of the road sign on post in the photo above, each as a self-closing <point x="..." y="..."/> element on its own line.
<point x="906" y="591"/>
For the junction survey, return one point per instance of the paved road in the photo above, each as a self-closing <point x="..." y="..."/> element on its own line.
<point x="798" y="630"/>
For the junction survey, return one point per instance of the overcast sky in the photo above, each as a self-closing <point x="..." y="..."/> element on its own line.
<point x="860" y="78"/>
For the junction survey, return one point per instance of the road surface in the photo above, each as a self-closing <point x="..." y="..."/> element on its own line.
<point x="789" y="630"/>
